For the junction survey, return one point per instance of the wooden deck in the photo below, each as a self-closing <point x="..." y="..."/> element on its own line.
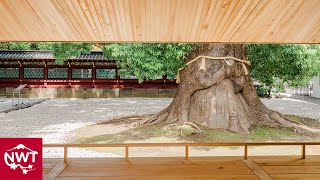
<point x="267" y="167"/>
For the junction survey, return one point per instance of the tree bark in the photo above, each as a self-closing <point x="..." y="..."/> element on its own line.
<point x="220" y="94"/>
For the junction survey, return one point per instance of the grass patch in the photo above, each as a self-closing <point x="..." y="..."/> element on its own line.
<point x="263" y="133"/>
<point x="257" y="134"/>
<point x="304" y="120"/>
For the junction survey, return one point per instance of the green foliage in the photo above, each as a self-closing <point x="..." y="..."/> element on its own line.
<point x="262" y="91"/>
<point x="148" y="60"/>
<point x="64" y="51"/>
<point x="25" y="46"/>
<point x="44" y="46"/>
<point x="4" y="45"/>
<point x="276" y="65"/>
<point x="19" y="46"/>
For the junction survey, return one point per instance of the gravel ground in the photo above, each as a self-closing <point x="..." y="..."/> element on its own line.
<point x="296" y="105"/>
<point x="54" y="120"/>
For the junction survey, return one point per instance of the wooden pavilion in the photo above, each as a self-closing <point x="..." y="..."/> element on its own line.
<point x="38" y="69"/>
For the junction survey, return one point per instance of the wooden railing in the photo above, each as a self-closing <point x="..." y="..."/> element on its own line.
<point x="186" y="145"/>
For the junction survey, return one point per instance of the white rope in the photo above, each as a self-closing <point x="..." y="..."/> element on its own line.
<point x="203" y="65"/>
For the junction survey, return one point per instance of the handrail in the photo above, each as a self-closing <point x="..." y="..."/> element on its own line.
<point x="182" y="144"/>
<point x="186" y="145"/>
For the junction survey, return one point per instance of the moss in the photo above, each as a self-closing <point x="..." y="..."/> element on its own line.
<point x="268" y="133"/>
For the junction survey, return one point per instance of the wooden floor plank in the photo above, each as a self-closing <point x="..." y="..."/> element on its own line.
<point x="56" y="171"/>
<point x="153" y="162"/>
<point x="296" y="176"/>
<point x="291" y="169"/>
<point x="257" y="170"/>
<point x="202" y="177"/>
<point x="157" y="170"/>
<point x="288" y="162"/>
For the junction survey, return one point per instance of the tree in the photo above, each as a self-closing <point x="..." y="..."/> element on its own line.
<point x="64" y="51"/>
<point x="148" y="60"/>
<point x="278" y="64"/>
<point x="213" y="93"/>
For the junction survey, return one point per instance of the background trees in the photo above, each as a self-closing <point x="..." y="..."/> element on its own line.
<point x="275" y="65"/>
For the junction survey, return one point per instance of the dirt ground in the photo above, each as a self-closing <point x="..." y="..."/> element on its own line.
<point x="125" y="130"/>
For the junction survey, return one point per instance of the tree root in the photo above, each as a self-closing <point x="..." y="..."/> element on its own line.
<point x="193" y="125"/>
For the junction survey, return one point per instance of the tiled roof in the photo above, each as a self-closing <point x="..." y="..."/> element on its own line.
<point x="46" y="55"/>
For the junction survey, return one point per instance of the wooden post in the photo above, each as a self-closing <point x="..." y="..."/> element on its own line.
<point x="93" y="75"/>
<point x="65" y="157"/>
<point x="187" y="153"/>
<point x="20" y="73"/>
<point x="303" y="155"/>
<point x="127" y="153"/>
<point x="245" y="152"/>
<point x="69" y="74"/>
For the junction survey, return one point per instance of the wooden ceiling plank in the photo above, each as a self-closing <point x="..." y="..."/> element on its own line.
<point x="53" y="21"/>
<point x="281" y="17"/>
<point x="85" y="8"/>
<point x="245" y="10"/>
<point x="76" y="10"/>
<point x="172" y="18"/>
<point x="229" y="7"/>
<point x="114" y="25"/>
<point x="305" y="13"/>
<point x="6" y="16"/>
<point x="135" y="20"/>
<point x="206" y="22"/>
<point x="96" y="16"/>
<point x="20" y="21"/>
<point x="68" y="12"/>
<point x="249" y="24"/>
<point x="143" y="20"/>
<point x="192" y="19"/>
<point x="214" y="14"/>
<point x="237" y="14"/>
<point x="122" y="18"/>
<point x="107" y="20"/>
<point x="222" y="9"/>
<point x="205" y="17"/>
<point x="119" y="20"/>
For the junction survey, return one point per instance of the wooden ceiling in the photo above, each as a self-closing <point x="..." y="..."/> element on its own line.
<point x="235" y="21"/>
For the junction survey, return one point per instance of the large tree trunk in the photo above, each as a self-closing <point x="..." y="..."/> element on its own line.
<point x="220" y="94"/>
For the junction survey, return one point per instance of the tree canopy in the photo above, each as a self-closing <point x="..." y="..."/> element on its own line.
<point x="148" y="60"/>
<point x="277" y="64"/>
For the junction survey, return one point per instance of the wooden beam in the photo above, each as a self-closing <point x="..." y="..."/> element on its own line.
<point x="185" y="144"/>
<point x="257" y="170"/>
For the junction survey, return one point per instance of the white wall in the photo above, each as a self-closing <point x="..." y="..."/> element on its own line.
<point x="316" y="87"/>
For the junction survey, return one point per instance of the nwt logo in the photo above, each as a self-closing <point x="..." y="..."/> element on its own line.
<point x="14" y="158"/>
<point x="20" y="158"/>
